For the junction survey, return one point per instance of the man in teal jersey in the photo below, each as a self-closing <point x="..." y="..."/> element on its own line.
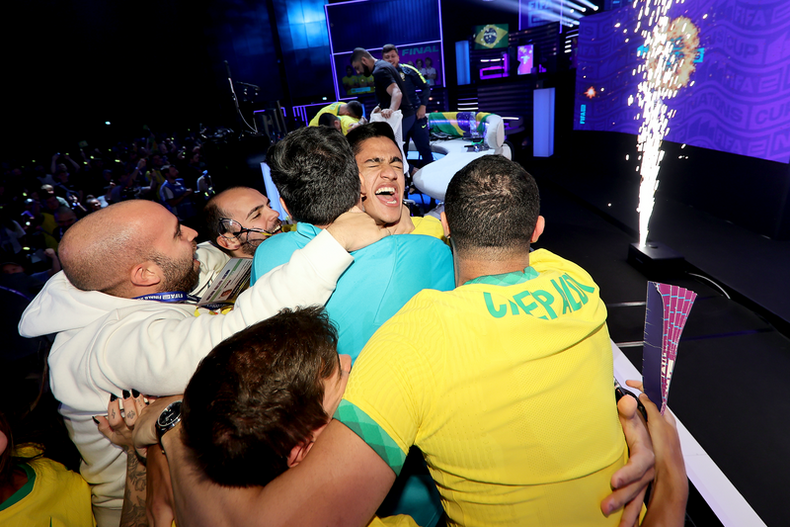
<point x="318" y="178"/>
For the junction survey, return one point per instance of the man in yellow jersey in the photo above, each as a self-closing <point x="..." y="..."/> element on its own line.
<point x="504" y="383"/>
<point x="350" y="114"/>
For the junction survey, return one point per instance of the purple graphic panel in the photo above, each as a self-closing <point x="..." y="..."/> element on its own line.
<point x="668" y="308"/>
<point x="737" y="99"/>
<point x="525" y="58"/>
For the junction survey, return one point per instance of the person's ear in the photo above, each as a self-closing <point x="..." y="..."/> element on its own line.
<point x="443" y="219"/>
<point x="362" y="187"/>
<point x="301" y="450"/>
<point x="539" y="226"/>
<point x="298" y="453"/>
<point x="146" y="274"/>
<point x="230" y="243"/>
<point x="285" y="208"/>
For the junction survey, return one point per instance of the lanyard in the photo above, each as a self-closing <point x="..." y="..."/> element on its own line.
<point x="170" y="297"/>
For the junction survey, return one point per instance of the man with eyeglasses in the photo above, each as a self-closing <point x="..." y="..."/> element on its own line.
<point x="237" y="220"/>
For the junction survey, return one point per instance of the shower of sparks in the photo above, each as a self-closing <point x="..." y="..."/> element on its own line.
<point x="669" y="50"/>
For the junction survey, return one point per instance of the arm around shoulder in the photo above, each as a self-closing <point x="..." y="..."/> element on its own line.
<point x="176" y="340"/>
<point x="342" y="482"/>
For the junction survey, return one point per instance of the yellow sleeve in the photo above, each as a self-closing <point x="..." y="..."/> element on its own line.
<point x="429" y="226"/>
<point x="314" y="120"/>
<point x="346" y="122"/>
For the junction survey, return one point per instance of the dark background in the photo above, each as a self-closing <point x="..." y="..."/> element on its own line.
<point x="71" y="65"/>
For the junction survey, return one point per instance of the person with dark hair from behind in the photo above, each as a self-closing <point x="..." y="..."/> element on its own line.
<point x="36" y="491"/>
<point x="350" y="115"/>
<point x="317" y="176"/>
<point x="257" y="402"/>
<point x="480" y="379"/>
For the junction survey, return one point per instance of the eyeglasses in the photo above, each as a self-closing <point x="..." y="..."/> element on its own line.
<point x="230" y="228"/>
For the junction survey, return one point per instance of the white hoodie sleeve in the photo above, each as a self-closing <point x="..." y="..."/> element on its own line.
<point x="106" y="344"/>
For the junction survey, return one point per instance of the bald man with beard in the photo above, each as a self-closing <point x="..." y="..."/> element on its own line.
<point x="123" y="320"/>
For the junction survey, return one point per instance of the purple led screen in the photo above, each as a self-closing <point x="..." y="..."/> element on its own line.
<point x="737" y="99"/>
<point x="426" y="57"/>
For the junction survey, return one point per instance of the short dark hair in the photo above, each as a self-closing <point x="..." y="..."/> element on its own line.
<point x="316" y="174"/>
<point x="388" y="47"/>
<point x="358" y="53"/>
<point x="492" y="203"/>
<point x="257" y="395"/>
<point x="327" y="119"/>
<point x="356" y="109"/>
<point x="362" y="133"/>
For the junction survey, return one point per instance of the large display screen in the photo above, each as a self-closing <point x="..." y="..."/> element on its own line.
<point x="737" y="98"/>
<point x="426" y="58"/>
<point x="414" y="26"/>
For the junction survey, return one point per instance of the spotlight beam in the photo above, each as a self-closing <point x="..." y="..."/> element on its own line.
<point x="575" y="6"/>
<point x="565" y="5"/>
<point x="589" y="4"/>
<point x="567" y="12"/>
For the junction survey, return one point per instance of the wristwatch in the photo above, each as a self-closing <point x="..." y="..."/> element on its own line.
<point x="167" y="420"/>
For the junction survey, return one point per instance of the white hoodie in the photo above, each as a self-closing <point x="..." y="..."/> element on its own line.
<point x="106" y="344"/>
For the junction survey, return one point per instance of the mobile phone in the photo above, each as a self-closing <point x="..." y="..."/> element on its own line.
<point x="620" y="392"/>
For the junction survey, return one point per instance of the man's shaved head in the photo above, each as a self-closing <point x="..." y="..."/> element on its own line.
<point x="98" y="252"/>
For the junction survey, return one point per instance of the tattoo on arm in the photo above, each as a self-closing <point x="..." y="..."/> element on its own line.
<point x="133" y="513"/>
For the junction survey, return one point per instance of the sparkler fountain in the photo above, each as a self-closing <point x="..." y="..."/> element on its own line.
<point x="669" y="50"/>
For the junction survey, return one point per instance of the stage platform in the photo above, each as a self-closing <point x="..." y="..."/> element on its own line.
<point x="730" y="383"/>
